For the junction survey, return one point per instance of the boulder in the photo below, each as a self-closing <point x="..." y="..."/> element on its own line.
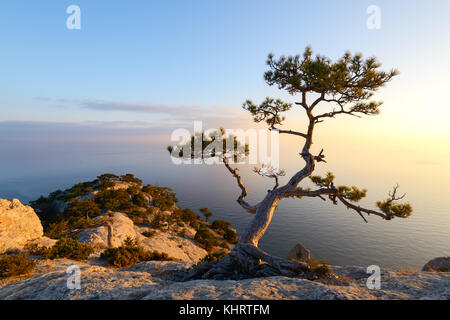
<point x="441" y="264"/>
<point x="18" y="225"/>
<point x="113" y="230"/>
<point x="299" y="252"/>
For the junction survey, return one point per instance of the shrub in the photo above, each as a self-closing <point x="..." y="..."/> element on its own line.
<point x="187" y="215"/>
<point x="162" y="197"/>
<point x="131" y="253"/>
<point x="15" y="265"/>
<point x="106" y="184"/>
<point x="321" y="268"/>
<point x="205" y="238"/>
<point x="69" y="248"/>
<point x="221" y="225"/>
<point x="158" y="221"/>
<point x="56" y="230"/>
<point x="207" y="213"/>
<point x="149" y="233"/>
<point x="231" y="236"/>
<point x="130" y="178"/>
<point x="114" y="200"/>
<point x="34" y="249"/>
<point x="87" y="208"/>
<point x="139" y="200"/>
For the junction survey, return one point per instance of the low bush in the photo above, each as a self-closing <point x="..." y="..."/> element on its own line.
<point x="321" y="268"/>
<point x="221" y="225"/>
<point x="162" y="197"/>
<point x="15" y="264"/>
<point x="206" y="238"/>
<point x="130" y="178"/>
<point x="69" y="248"/>
<point x="231" y="236"/>
<point x="35" y="249"/>
<point x="139" y="200"/>
<point x="158" y="221"/>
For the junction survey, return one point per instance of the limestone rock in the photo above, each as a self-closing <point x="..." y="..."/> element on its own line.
<point x="299" y="252"/>
<point x="118" y="227"/>
<point x="115" y="229"/>
<point x="175" y="246"/>
<point x="441" y="264"/>
<point x="43" y="242"/>
<point x="18" y="225"/>
<point x="148" y="280"/>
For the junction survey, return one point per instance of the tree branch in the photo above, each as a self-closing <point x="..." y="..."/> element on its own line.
<point x="244" y="204"/>
<point x="288" y="132"/>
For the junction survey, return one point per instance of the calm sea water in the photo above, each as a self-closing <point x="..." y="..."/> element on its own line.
<point x="28" y="170"/>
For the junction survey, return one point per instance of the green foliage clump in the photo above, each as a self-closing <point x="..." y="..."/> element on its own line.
<point x="353" y="194"/>
<point x="231" y="236"/>
<point x="56" y="230"/>
<point x="205" y="238"/>
<point x="79" y="214"/>
<point x="401" y="210"/>
<point x="130" y="178"/>
<point x="207" y="213"/>
<point x="131" y="253"/>
<point x="188" y="216"/>
<point x="321" y="268"/>
<point x="69" y="248"/>
<point x="324" y="182"/>
<point x="15" y="264"/>
<point x="139" y="200"/>
<point x="162" y="197"/>
<point x="158" y="221"/>
<point x="87" y="208"/>
<point x="114" y="200"/>
<point x="221" y="225"/>
<point x="229" y="144"/>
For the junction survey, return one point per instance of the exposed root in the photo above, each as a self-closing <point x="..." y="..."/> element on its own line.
<point x="247" y="261"/>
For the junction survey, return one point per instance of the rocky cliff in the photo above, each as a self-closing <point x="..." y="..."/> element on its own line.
<point x="151" y="280"/>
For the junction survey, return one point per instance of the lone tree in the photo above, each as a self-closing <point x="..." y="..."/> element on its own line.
<point x="207" y="213"/>
<point x="347" y="86"/>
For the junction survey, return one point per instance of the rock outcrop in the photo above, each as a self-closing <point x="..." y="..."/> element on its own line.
<point x="441" y="264"/>
<point x="149" y="280"/>
<point x="117" y="227"/>
<point x="19" y="224"/>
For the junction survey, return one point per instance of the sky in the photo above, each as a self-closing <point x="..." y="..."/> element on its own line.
<point x="162" y="64"/>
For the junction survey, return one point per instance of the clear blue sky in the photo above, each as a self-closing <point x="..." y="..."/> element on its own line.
<point x="188" y="53"/>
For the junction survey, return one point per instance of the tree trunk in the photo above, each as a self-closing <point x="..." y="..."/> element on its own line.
<point x="253" y="260"/>
<point x="261" y="220"/>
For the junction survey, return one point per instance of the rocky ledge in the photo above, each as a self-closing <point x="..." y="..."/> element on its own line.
<point x="152" y="280"/>
<point x="88" y="212"/>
